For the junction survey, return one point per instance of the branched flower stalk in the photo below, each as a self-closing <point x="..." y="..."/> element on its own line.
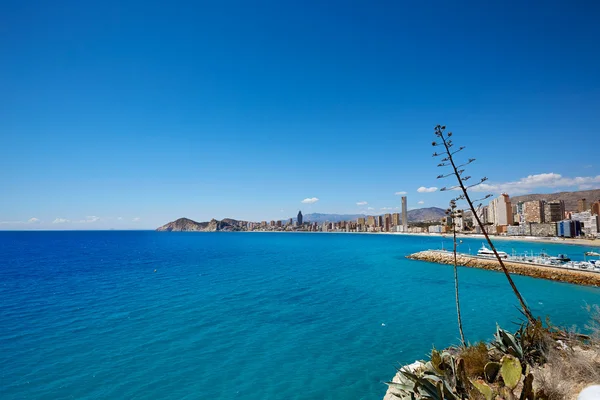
<point x="453" y="213"/>
<point x="457" y="171"/>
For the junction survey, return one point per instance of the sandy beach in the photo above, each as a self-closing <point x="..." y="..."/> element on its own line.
<point x="534" y="239"/>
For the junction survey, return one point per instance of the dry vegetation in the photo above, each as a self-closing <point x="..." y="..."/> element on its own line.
<point x="475" y="357"/>
<point x="572" y="364"/>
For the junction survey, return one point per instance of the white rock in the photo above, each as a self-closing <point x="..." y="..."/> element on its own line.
<point x="590" y="393"/>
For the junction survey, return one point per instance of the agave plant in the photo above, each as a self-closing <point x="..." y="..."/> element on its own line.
<point x="507" y="343"/>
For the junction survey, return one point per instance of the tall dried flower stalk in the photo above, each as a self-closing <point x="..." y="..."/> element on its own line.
<point x="453" y="213"/>
<point x="457" y="171"/>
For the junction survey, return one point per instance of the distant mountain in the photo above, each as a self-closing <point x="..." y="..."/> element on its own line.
<point x="426" y="214"/>
<point x="187" y="225"/>
<point x="570" y="198"/>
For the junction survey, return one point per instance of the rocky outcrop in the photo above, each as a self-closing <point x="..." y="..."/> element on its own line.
<point x="543" y="272"/>
<point x="187" y="225"/>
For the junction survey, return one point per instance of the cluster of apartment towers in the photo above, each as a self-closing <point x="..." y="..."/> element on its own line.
<point x="532" y="218"/>
<point x="393" y="222"/>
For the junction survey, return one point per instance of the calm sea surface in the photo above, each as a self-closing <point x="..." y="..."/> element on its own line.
<point x="241" y="315"/>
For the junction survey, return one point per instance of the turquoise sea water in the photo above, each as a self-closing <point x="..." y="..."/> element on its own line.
<point x="241" y="315"/>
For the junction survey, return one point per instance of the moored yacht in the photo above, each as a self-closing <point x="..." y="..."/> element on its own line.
<point x="485" y="252"/>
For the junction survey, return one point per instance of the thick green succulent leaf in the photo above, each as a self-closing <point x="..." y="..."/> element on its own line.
<point x="483" y="388"/>
<point x="510" y="371"/>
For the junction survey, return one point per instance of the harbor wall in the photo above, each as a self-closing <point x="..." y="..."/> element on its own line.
<point x="544" y="272"/>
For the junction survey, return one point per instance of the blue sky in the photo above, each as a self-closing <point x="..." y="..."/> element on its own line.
<point x="129" y="114"/>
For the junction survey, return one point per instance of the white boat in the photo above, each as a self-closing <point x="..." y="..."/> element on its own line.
<point x="592" y="253"/>
<point x="485" y="252"/>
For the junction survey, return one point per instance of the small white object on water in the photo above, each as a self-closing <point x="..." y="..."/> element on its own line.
<point x="382" y="324"/>
<point x="590" y="393"/>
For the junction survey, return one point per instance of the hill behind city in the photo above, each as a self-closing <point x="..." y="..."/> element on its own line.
<point x="570" y="198"/>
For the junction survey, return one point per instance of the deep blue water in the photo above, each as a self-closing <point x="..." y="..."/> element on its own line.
<point x="241" y="315"/>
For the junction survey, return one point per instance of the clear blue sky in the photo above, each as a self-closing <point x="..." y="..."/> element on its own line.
<point x="129" y="114"/>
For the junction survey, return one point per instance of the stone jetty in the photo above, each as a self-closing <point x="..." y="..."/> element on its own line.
<point x="578" y="277"/>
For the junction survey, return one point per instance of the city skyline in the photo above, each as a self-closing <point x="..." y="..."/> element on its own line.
<point x="129" y="114"/>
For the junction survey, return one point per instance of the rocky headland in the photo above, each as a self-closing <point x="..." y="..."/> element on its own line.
<point x="188" y="225"/>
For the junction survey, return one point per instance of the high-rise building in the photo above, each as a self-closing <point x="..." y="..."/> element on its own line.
<point x="300" y="218"/>
<point x="554" y="211"/>
<point x="291" y="221"/>
<point x="500" y="211"/>
<point x="404" y="215"/>
<point x="371" y="220"/>
<point x="380" y="220"/>
<point x="482" y="213"/>
<point x="361" y="223"/>
<point x="582" y="205"/>
<point x="595" y="209"/>
<point x="396" y="219"/>
<point x="279" y="224"/>
<point x="533" y="211"/>
<point x="589" y="222"/>
<point x="387" y="222"/>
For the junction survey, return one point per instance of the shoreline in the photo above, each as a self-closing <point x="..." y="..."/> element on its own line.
<point x="531" y="239"/>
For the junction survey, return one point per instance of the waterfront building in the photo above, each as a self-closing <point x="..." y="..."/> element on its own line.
<point x="533" y="211"/>
<point x="361" y="222"/>
<point x="371" y="220"/>
<point x="459" y="222"/>
<point x="589" y="222"/>
<point x="300" y="218"/>
<point x="279" y="223"/>
<point x="516" y="230"/>
<point x="396" y="219"/>
<point x="554" y="211"/>
<point x="404" y="215"/>
<point x="291" y="222"/>
<point x="568" y="228"/>
<point x="387" y="222"/>
<point x="500" y="211"/>
<point x="435" y="228"/>
<point x="519" y="212"/>
<point x="595" y="209"/>
<point x="482" y="214"/>
<point x="582" y="205"/>
<point x="379" y="221"/>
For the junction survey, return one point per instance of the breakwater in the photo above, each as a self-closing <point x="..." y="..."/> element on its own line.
<point x="578" y="277"/>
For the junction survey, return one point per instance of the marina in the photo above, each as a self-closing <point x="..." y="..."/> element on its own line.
<point x="540" y="265"/>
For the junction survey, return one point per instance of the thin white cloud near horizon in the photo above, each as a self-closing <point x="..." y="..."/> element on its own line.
<point x="362" y="203"/>
<point x="540" y="181"/>
<point x="32" y="220"/>
<point x="310" y="200"/>
<point x="421" y="202"/>
<point x="88" y="220"/>
<point x="424" y="189"/>
<point x="136" y="219"/>
<point x="370" y="208"/>
<point x="400" y="193"/>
